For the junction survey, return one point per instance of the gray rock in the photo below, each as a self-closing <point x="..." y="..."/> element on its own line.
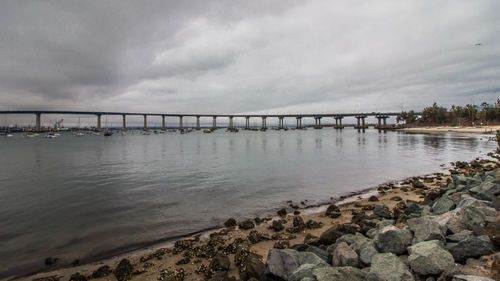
<point x="429" y="258"/>
<point x="426" y="211"/>
<point x="442" y="205"/>
<point x="485" y="191"/>
<point x="470" y="278"/>
<point x="392" y="239"/>
<point x="344" y="256"/>
<point x="303" y="271"/>
<point x="457" y="237"/>
<point x="252" y="267"/>
<point x="366" y="254"/>
<point x="310" y="258"/>
<point x="346" y="273"/>
<point x="388" y="267"/>
<point x="382" y="211"/>
<point x="318" y="252"/>
<point x="381" y="224"/>
<point x="426" y="228"/>
<point x="413" y="209"/>
<point x="474" y="219"/>
<point x="282" y="263"/>
<point x="453" y="220"/>
<point x="460" y="180"/>
<point x="355" y="241"/>
<point x="470" y="247"/>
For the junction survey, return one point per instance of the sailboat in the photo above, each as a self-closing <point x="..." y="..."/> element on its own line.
<point x="107" y="133"/>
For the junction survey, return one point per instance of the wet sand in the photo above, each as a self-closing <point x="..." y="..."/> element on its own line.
<point x="149" y="263"/>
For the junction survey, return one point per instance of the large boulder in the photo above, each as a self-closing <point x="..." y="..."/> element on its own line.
<point x="392" y="239"/>
<point x="335" y="232"/>
<point x="220" y="262"/>
<point x="442" y="205"/>
<point x="303" y="271"/>
<point x="457" y="237"/>
<point x="492" y="229"/>
<point x="346" y="273"/>
<point x="388" y="267"/>
<point x="318" y="252"/>
<point x="454" y="220"/>
<point x="344" y="256"/>
<point x="366" y="254"/>
<point x="429" y="258"/>
<point x="470" y="247"/>
<point x="381" y="224"/>
<point x="474" y="219"/>
<point x="281" y="263"/>
<point x="426" y="228"/>
<point x="486" y="191"/>
<point x="461" y="277"/>
<point x="310" y="258"/>
<point x="355" y="241"/>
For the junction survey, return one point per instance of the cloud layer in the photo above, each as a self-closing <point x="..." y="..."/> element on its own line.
<point x="247" y="56"/>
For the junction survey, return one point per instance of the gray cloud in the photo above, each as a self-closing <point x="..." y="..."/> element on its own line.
<point x="247" y="56"/>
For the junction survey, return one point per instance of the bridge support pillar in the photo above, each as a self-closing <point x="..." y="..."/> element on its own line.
<point x="338" y="122"/>
<point x="198" y="123"/>
<point x="163" y="127"/>
<point x="231" y="126"/>
<point x="247" y="123"/>
<point x="180" y="123"/>
<point x="361" y="125"/>
<point x="214" y="123"/>
<point x="98" y="128"/>
<point x="281" y="123"/>
<point x="38" y="122"/>
<point x="299" y="122"/>
<point x="264" y="123"/>
<point x="318" y="123"/>
<point x="145" y="128"/>
<point x="124" y="122"/>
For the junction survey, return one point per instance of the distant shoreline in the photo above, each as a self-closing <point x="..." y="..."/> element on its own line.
<point x="488" y="129"/>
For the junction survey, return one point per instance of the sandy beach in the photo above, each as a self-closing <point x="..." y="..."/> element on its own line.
<point x="190" y="258"/>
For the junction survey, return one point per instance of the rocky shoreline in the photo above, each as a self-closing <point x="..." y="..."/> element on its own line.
<point x="439" y="227"/>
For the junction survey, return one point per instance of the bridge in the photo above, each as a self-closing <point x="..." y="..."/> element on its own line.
<point x="360" y="117"/>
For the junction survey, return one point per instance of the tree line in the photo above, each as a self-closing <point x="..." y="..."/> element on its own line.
<point x="456" y="115"/>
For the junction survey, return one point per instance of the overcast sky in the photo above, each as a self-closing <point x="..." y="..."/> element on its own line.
<point x="247" y="56"/>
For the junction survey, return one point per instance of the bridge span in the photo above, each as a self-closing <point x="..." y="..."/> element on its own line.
<point x="360" y="117"/>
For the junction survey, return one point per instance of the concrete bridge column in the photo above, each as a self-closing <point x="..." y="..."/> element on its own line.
<point x="299" y="122"/>
<point x="180" y="123"/>
<point x="280" y="123"/>
<point x="338" y="122"/>
<point x="359" y="123"/>
<point x="198" y="123"/>
<point x="98" y="128"/>
<point x="231" y="122"/>
<point x="38" y="122"/>
<point x="264" y="125"/>
<point x="247" y="123"/>
<point x="363" y="121"/>
<point x="163" y="128"/>
<point x="124" y="122"/>
<point x="385" y="121"/>
<point x="214" y="123"/>
<point x="379" y="122"/>
<point x="145" y="123"/>
<point x="318" y="122"/>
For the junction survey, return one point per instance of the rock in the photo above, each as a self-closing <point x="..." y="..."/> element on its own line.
<point x="346" y="273"/>
<point x="255" y="237"/>
<point x="277" y="226"/>
<point x="442" y="205"/>
<point x="470" y="278"/>
<point x="343" y="255"/>
<point x="470" y="248"/>
<point x="412" y="209"/>
<point x="77" y="277"/>
<point x="391" y="239"/>
<point x="381" y="224"/>
<point x="355" y="241"/>
<point x="281" y="263"/>
<point x="318" y="252"/>
<point x="50" y="260"/>
<point x="248" y="224"/>
<point x="310" y="224"/>
<point x="382" y="211"/>
<point x="453" y="220"/>
<point x="252" y="267"/>
<point x="242" y="252"/>
<point x="303" y="271"/>
<point x="492" y="230"/>
<point x="474" y="219"/>
<point x="298" y="222"/>
<point x="230" y="222"/>
<point x="388" y="267"/>
<point x="220" y="262"/>
<point x="310" y="258"/>
<point x="486" y="191"/>
<point x="373" y="198"/>
<point x="123" y="270"/>
<point x="333" y="211"/>
<point x="366" y="254"/>
<point x="183" y="261"/>
<point x="429" y="258"/>
<point x="281" y="244"/>
<point x="330" y="235"/>
<point x="457" y="237"/>
<point x="425" y="229"/>
<point x="282" y="212"/>
<point x="102" y="271"/>
<point x="396" y="198"/>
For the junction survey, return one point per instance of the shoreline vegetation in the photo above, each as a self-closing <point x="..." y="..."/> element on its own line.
<point x="429" y="227"/>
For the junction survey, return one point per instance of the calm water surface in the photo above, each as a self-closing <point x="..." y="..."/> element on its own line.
<point x="85" y="197"/>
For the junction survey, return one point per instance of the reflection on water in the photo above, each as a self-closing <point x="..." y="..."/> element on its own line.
<point x="76" y="198"/>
